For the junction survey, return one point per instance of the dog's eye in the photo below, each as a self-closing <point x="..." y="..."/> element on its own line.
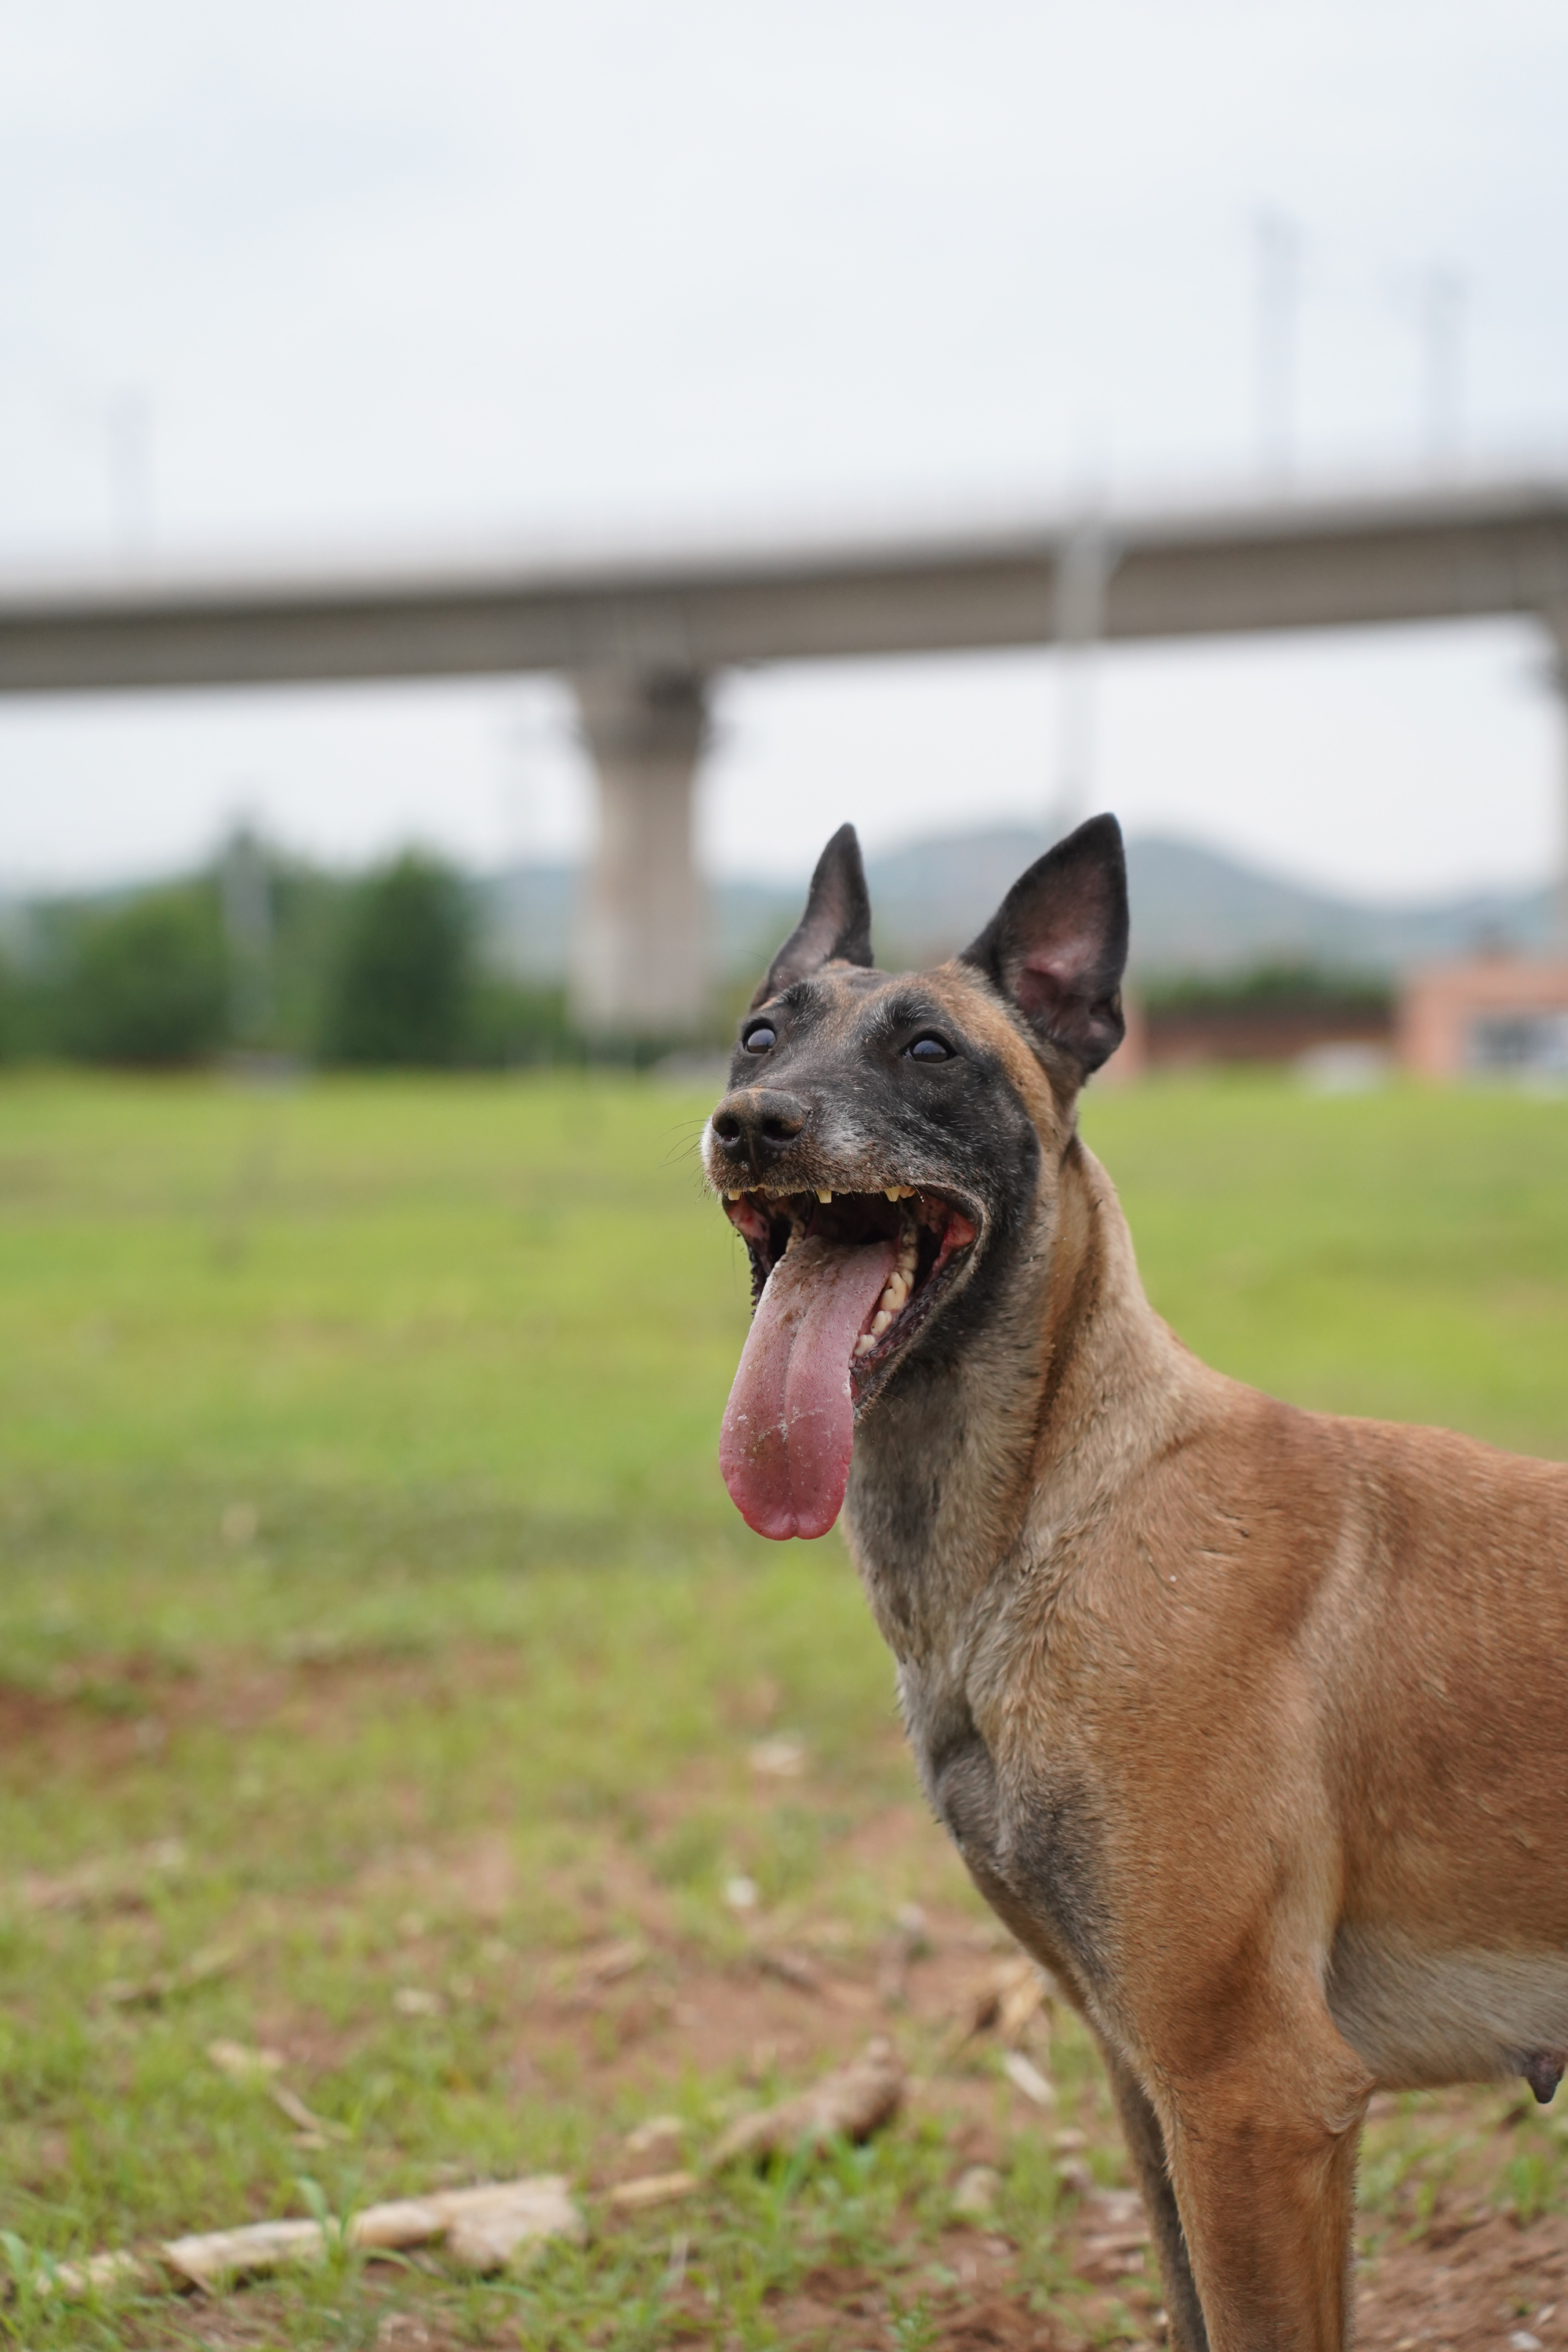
<point x="758" y="1040"/>
<point x="929" y="1049"/>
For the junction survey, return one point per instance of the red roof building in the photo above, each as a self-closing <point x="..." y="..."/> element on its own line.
<point x="1496" y="1015"/>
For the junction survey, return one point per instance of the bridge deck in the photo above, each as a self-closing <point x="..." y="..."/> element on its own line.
<point x="1339" y="563"/>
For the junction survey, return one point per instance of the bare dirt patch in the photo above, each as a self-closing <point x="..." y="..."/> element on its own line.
<point x="654" y="1992"/>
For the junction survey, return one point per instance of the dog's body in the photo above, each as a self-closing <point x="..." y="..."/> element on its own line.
<point x="1243" y="1719"/>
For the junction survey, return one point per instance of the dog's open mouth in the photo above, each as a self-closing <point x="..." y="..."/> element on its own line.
<point x="843" y="1282"/>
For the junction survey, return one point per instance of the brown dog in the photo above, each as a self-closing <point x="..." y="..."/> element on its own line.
<point x="1244" y="1719"/>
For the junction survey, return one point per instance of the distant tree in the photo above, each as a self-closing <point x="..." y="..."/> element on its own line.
<point x="400" y="989"/>
<point x="10" y="1010"/>
<point x="148" y="984"/>
<point x="511" y="1024"/>
<point x="1269" y="987"/>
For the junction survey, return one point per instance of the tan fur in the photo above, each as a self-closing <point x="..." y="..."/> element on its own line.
<point x="1306" y="1669"/>
<point x="1245" y="1719"/>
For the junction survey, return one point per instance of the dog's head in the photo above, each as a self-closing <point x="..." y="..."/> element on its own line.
<point x="882" y="1144"/>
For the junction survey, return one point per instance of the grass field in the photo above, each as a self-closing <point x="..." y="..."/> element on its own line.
<point x="388" y="1685"/>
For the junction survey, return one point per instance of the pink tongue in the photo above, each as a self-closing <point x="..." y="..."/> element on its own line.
<point x="789" y="1426"/>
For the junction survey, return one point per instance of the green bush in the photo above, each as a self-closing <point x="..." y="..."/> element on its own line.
<point x="11" y="1012"/>
<point x="511" y="1024"/>
<point x="148" y="984"/>
<point x="1270" y="988"/>
<point x="401" y="986"/>
<point x="308" y="914"/>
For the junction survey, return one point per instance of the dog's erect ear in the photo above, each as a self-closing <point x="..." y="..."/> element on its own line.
<point x="1057" y="946"/>
<point x="836" y="924"/>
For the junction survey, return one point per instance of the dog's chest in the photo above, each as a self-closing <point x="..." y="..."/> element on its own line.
<point x="1026" y="1829"/>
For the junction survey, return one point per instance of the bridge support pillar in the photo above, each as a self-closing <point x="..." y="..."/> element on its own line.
<point x="1556" y="620"/>
<point x="639" y="963"/>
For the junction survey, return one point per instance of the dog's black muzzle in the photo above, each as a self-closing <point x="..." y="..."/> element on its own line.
<point x="755" y="1129"/>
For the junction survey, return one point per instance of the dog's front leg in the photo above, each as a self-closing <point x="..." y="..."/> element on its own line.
<point x="1263" y="2153"/>
<point x="1146" y="2146"/>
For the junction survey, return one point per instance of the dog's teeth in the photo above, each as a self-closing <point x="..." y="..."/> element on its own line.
<point x="825" y="1198"/>
<point x="880" y="1322"/>
<point x="864" y="1344"/>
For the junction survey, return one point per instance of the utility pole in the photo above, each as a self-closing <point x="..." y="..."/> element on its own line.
<point x="245" y="883"/>
<point x="1442" y="363"/>
<point x="1555" y="678"/>
<point x="1085" y="560"/>
<point x="1277" y="296"/>
<point x="130" y="427"/>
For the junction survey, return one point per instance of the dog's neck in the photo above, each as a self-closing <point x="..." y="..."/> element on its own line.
<point x="982" y="1465"/>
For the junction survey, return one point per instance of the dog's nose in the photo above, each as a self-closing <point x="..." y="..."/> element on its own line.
<point x="755" y="1126"/>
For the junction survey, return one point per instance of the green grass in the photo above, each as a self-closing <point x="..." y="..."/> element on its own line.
<point x="1403" y="1254"/>
<point x="374" y="1618"/>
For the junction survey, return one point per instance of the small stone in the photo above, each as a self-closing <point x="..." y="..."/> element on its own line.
<point x="488" y="2229"/>
<point x="658" y="2142"/>
<point x="975" y="2191"/>
<point x="607" y="1964"/>
<point x="100" y="2274"/>
<point x="1025" y="2077"/>
<point x="742" y="1894"/>
<point x="1121" y="2208"/>
<point x="413" y="2000"/>
<point x="915" y="1928"/>
<point x="400" y="2331"/>
<point x="242" y="2064"/>
<point x="797" y="1969"/>
<point x="1521" y="2340"/>
<point x="219" y="2257"/>
<point x="652" y="2188"/>
<point x="851" y="2103"/>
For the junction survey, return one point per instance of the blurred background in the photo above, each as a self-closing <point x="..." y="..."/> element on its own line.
<point x="586" y="314"/>
<point x="484" y="491"/>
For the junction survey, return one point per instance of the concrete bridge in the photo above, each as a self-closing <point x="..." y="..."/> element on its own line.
<point x="641" y="635"/>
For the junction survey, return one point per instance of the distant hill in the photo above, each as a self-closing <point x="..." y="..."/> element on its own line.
<point x="1197" y="910"/>
<point x="528" y="912"/>
<point x="1192" y="910"/>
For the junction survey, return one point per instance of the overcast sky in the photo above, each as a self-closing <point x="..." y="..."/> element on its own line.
<point x="322" y="276"/>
